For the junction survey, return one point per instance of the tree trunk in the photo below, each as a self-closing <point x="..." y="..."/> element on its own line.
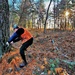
<point x="47" y="16"/>
<point x="4" y="25"/>
<point x="54" y="14"/>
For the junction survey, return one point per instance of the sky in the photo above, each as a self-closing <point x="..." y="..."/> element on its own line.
<point x="51" y="6"/>
<point x="10" y="1"/>
<point x="15" y="4"/>
<point x="46" y="3"/>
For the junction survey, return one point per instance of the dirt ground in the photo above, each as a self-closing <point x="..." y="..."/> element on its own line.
<point x="46" y="47"/>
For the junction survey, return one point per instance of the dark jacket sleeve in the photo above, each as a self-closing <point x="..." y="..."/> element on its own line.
<point x="14" y="35"/>
<point x="17" y="39"/>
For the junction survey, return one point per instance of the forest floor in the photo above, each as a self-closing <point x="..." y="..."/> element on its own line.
<point x="50" y="52"/>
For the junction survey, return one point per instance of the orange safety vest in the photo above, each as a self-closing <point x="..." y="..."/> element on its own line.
<point x="26" y="36"/>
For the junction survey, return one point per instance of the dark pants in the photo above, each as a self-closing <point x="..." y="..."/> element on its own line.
<point x="24" y="47"/>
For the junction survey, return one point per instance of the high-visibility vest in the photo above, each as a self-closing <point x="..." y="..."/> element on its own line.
<point x="26" y="36"/>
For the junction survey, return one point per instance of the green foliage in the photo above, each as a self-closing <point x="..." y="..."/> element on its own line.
<point x="70" y="64"/>
<point x="52" y="64"/>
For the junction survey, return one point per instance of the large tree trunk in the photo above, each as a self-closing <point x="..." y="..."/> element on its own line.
<point x="4" y="25"/>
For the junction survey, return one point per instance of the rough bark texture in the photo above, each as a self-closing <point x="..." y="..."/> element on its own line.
<point x="4" y="25"/>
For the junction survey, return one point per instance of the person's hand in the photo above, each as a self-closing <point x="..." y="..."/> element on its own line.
<point x="12" y="42"/>
<point x="7" y="43"/>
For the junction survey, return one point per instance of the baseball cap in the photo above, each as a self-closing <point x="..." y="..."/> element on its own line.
<point x="15" y="26"/>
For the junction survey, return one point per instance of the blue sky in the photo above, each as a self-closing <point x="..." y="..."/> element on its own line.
<point x="15" y="4"/>
<point x="46" y="3"/>
<point x="10" y="1"/>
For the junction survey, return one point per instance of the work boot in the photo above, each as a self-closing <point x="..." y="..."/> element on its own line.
<point x="23" y="64"/>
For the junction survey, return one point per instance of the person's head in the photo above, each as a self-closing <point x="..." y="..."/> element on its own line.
<point x="15" y="26"/>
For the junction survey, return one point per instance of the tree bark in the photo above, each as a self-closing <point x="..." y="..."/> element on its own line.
<point x="4" y="25"/>
<point x="47" y="16"/>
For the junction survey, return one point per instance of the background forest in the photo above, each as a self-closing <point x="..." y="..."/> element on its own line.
<point x="52" y="23"/>
<point x="33" y="13"/>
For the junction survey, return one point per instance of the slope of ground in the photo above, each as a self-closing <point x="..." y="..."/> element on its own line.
<point x="52" y="45"/>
